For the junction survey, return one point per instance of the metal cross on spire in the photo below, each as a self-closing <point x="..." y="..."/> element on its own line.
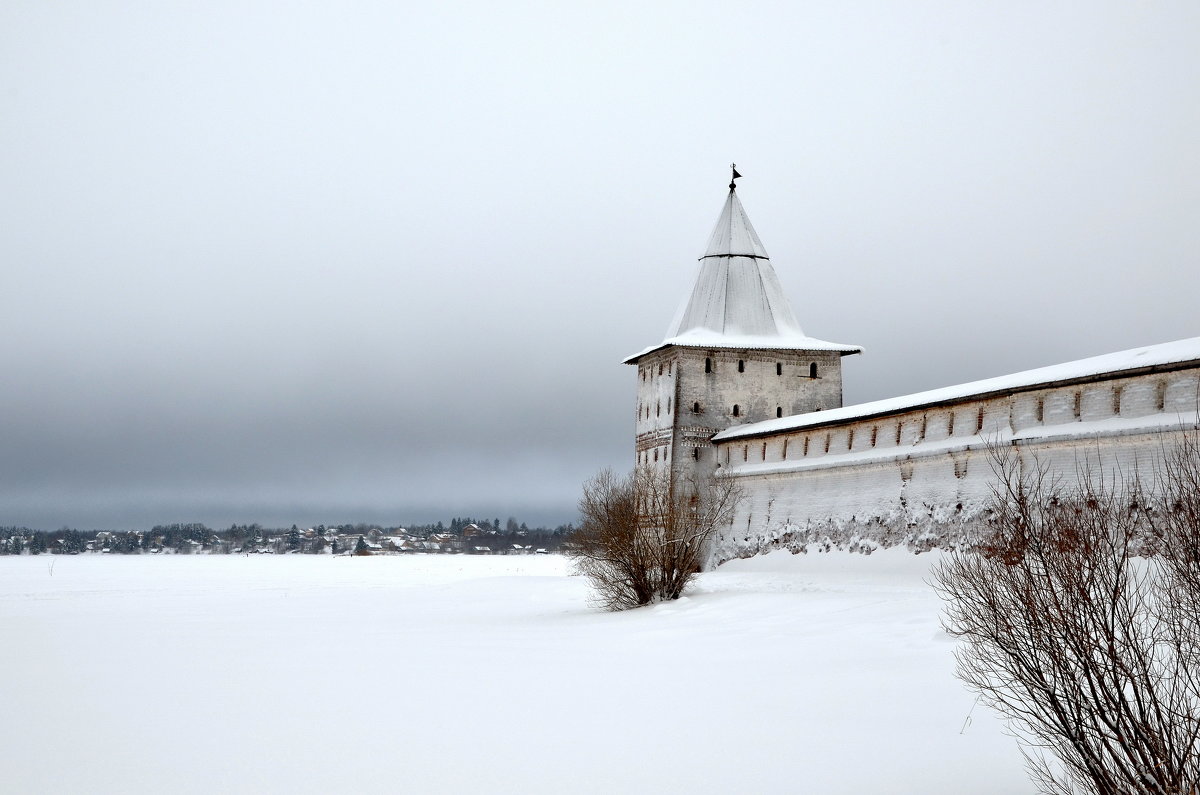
<point x="733" y="167"/>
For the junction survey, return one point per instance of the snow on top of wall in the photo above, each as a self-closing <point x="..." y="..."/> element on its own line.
<point x="1167" y="353"/>
<point x="1108" y="427"/>
<point x="737" y="300"/>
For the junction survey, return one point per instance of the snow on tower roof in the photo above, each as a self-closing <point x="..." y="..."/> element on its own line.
<point x="1167" y="355"/>
<point x="737" y="301"/>
<point x="734" y="236"/>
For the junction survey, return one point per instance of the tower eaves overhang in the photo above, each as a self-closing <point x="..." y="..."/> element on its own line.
<point x="726" y="342"/>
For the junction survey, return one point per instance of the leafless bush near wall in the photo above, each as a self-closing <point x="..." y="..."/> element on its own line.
<point x="1177" y="532"/>
<point x="1087" y="646"/>
<point x="639" y="540"/>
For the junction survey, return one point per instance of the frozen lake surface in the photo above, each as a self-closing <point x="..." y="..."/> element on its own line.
<point x="451" y="674"/>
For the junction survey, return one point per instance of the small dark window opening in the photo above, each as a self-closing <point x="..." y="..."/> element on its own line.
<point x="660" y="369"/>
<point x="707" y="364"/>
<point x="764" y="451"/>
<point x="779" y="411"/>
<point x="784" y="454"/>
<point x="736" y="411"/>
<point x="695" y="408"/>
<point x="778" y="368"/>
<point x="805" y="452"/>
<point x="656" y="454"/>
<point x="658" y="409"/>
<point x="812" y="370"/>
<point x="746" y="452"/>
<point x="695" y="453"/>
<point x="741" y="366"/>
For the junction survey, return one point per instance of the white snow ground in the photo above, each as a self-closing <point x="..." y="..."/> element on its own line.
<point x="825" y="673"/>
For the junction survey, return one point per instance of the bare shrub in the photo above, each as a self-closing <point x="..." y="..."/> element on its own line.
<point x="639" y="540"/>
<point x="1177" y="532"/>
<point x="1087" y="646"/>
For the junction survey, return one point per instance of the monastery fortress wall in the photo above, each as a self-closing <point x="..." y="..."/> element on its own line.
<point x="922" y="476"/>
<point x="737" y="390"/>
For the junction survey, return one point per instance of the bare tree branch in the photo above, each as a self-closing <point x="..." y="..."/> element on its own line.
<point x="1078" y="632"/>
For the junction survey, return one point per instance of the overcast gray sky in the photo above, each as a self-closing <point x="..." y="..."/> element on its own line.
<point x="379" y="261"/>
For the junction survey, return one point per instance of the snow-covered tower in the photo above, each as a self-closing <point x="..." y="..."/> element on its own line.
<point x="734" y="354"/>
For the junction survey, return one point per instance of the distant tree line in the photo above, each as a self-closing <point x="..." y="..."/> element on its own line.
<point x="463" y="534"/>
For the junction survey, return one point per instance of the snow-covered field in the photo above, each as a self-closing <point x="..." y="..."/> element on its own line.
<point x="808" y="674"/>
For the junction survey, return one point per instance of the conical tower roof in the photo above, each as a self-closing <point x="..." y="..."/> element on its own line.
<point x="737" y="301"/>
<point x="734" y="235"/>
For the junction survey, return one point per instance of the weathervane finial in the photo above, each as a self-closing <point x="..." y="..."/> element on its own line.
<point x="733" y="167"/>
